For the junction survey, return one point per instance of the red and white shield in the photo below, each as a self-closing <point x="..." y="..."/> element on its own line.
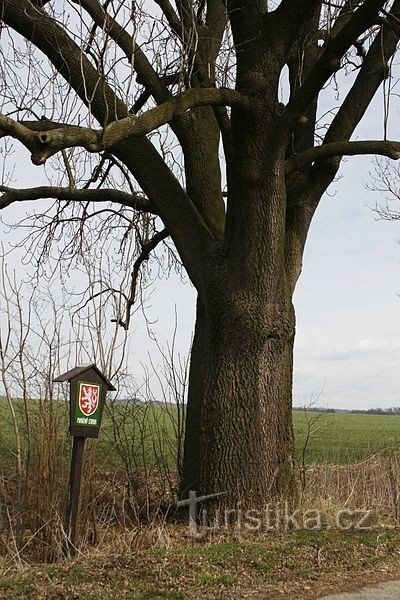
<point x="89" y="398"/>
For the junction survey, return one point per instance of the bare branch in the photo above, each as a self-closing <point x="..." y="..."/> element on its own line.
<point x="143" y="256"/>
<point x="146" y="73"/>
<point x="373" y="71"/>
<point x="18" y="131"/>
<point x="11" y="195"/>
<point x="172" y="109"/>
<point x="387" y="148"/>
<point x="330" y="59"/>
<point x="45" y="144"/>
<point x="171" y="16"/>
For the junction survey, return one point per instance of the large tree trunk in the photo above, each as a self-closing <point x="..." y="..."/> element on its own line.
<point x="239" y="436"/>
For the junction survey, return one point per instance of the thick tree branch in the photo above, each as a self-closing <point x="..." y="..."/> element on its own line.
<point x="344" y="15"/>
<point x="157" y="86"/>
<point x="307" y="182"/>
<point x="146" y="73"/>
<point x="18" y="131"/>
<point x="216" y="21"/>
<point x="199" y="131"/>
<point x="45" y="143"/>
<point x="154" y="85"/>
<point x="145" y="95"/>
<point x="293" y="14"/>
<point x="171" y="16"/>
<point x="329" y="61"/>
<point x="391" y="149"/>
<point x="138" y="201"/>
<point x="172" y="109"/>
<point x="302" y="58"/>
<point x="373" y="71"/>
<point x="186" y="12"/>
<point x="263" y="41"/>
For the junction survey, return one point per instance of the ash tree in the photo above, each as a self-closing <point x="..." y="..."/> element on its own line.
<point x="213" y="116"/>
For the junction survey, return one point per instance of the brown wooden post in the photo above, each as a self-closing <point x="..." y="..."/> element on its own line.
<point x="74" y="488"/>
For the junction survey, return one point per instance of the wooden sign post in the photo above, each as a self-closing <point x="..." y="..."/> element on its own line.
<point x="88" y="389"/>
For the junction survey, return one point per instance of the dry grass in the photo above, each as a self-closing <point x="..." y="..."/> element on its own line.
<point x="373" y="484"/>
<point x="130" y="545"/>
<point x="161" y="561"/>
<point x="111" y="509"/>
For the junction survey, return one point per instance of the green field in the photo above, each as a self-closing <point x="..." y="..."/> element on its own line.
<point x="344" y="437"/>
<point x="150" y="429"/>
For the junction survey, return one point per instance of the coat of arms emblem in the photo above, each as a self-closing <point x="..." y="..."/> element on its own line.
<point x="89" y="395"/>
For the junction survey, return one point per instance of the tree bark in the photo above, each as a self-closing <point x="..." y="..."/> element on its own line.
<point x="199" y="367"/>
<point x="239" y="436"/>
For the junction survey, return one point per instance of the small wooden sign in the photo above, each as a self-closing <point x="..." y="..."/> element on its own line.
<point x="88" y="389"/>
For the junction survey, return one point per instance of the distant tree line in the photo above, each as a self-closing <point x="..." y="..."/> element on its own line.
<point x="393" y="410"/>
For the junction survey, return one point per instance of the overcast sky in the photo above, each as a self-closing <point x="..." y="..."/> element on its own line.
<point x="348" y="325"/>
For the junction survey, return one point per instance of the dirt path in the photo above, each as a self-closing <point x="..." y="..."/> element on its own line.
<point x="384" y="591"/>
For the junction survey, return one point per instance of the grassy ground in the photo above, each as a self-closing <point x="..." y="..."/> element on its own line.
<point x="300" y="565"/>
